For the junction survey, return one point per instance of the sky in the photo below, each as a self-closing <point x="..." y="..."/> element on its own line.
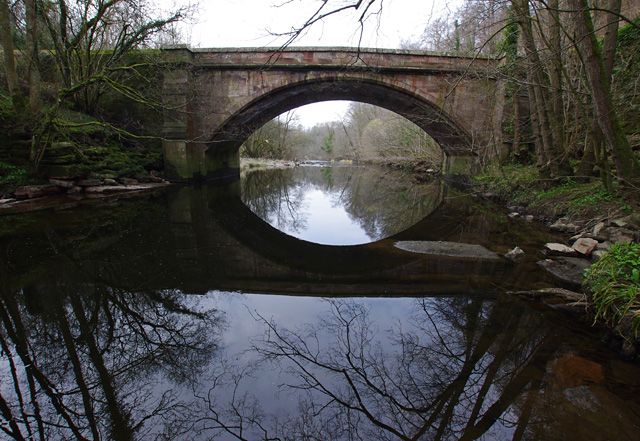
<point x="252" y="23"/>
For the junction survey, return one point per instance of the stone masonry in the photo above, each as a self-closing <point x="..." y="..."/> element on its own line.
<point x="216" y="98"/>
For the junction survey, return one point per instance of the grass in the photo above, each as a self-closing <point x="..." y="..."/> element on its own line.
<point x="523" y="185"/>
<point x="614" y="283"/>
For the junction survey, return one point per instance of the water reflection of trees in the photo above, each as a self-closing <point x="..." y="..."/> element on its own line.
<point x="89" y="362"/>
<point x="381" y="202"/>
<point x="445" y="374"/>
<point x="276" y="198"/>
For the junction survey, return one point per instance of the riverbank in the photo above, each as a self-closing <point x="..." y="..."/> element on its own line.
<point x="599" y="261"/>
<point x="65" y="194"/>
<point x="420" y="169"/>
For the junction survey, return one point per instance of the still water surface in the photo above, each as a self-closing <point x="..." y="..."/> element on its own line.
<point x="164" y="318"/>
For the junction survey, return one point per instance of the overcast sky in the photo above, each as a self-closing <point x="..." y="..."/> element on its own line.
<point x="252" y="23"/>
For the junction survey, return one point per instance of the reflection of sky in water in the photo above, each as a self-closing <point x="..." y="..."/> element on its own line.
<point x="293" y="313"/>
<point x="326" y="221"/>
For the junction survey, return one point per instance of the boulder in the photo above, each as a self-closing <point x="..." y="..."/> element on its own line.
<point x="515" y="254"/>
<point x="619" y="235"/>
<point x="155" y="179"/>
<point x="129" y="181"/>
<point x="567" y="270"/>
<point x="564" y="227"/>
<point x="529" y="218"/>
<point x="106" y="189"/>
<point x="603" y="246"/>
<point x="585" y="245"/>
<point x="89" y="182"/>
<point x="597" y="254"/>
<point x="64" y="183"/>
<point x="36" y="191"/>
<point x="513" y="215"/>
<point x="561" y="294"/>
<point x="633" y="221"/>
<point x="598" y="228"/>
<point x="558" y="249"/>
<point x="619" y="223"/>
<point x="451" y="249"/>
<point x="109" y="181"/>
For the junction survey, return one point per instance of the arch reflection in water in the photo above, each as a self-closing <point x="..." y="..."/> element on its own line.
<point x="103" y="338"/>
<point x="339" y="204"/>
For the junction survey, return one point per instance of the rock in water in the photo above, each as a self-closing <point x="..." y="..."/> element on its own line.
<point x="451" y="249"/>
<point x="515" y="254"/>
<point x="567" y="270"/>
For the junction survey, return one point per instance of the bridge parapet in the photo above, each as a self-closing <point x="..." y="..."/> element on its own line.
<point x="341" y="58"/>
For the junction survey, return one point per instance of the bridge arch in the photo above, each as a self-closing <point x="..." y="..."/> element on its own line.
<point x="215" y="98"/>
<point x="451" y="136"/>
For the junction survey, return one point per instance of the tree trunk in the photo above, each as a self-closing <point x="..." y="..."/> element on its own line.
<point x="6" y="39"/>
<point x="627" y="167"/>
<point x="555" y="77"/>
<point x="555" y="160"/>
<point x="33" y="68"/>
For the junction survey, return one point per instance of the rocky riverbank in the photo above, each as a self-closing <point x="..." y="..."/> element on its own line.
<point x="67" y="193"/>
<point x="589" y="235"/>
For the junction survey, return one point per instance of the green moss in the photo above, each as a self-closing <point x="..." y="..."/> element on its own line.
<point x="12" y="174"/>
<point x="511" y="182"/>
<point x="626" y="72"/>
<point x="614" y="283"/>
<point x="6" y="108"/>
<point x="523" y="185"/>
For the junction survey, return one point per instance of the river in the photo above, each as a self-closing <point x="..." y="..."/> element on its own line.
<point x="319" y="302"/>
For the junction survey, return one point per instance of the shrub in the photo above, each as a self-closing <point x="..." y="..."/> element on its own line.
<point x="11" y="174"/>
<point x="614" y="282"/>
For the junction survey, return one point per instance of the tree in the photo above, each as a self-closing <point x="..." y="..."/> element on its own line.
<point x="33" y="54"/>
<point x="92" y="40"/>
<point x="6" y="40"/>
<point x="327" y="142"/>
<point x="598" y="67"/>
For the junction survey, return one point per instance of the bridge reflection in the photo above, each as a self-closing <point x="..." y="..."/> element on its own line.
<point x="197" y="239"/>
<point x="100" y="338"/>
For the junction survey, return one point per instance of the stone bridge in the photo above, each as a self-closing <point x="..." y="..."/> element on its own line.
<point x="216" y="98"/>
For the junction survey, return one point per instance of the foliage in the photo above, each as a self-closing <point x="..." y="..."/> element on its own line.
<point x="626" y="73"/>
<point x="614" y="282"/>
<point x="327" y="142"/>
<point x="12" y="175"/>
<point x="92" y="41"/>
<point x="523" y="184"/>
<point x="509" y="43"/>
<point x="274" y="140"/>
<point x="366" y="132"/>
<point x="513" y="182"/>
<point x="84" y="145"/>
<point x="6" y="107"/>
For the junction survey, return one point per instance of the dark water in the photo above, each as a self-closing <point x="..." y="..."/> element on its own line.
<point x="164" y="318"/>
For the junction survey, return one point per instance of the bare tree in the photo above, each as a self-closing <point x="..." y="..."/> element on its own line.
<point x="6" y="39"/>
<point x="92" y="40"/>
<point x="598" y="71"/>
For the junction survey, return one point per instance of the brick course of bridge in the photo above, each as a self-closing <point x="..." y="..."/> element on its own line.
<point x="215" y="99"/>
